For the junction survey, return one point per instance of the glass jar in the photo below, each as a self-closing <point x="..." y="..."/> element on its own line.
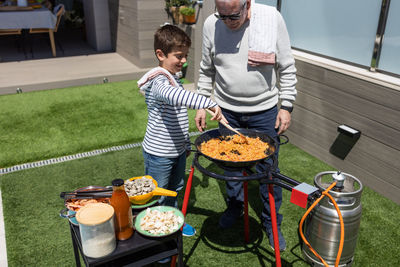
<point x="123" y="211"/>
<point x="96" y="226"/>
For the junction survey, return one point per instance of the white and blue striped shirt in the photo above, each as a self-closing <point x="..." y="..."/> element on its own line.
<point x="167" y="133"/>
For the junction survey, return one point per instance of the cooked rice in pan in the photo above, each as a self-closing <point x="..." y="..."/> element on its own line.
<point x="233" y="148"/>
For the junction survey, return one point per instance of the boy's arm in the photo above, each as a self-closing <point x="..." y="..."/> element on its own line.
<point x="174" y="96"/>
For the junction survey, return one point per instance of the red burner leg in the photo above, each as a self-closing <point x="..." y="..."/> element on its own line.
<point x="274" y="224"/>
<point x="187" y="191"/>
<point x="185" y="203"/>
<point x="173" y="261"/>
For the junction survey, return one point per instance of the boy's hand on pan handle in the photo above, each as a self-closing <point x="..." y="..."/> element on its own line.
<point x="218" y="116"/>
<point x="200" y="118"/>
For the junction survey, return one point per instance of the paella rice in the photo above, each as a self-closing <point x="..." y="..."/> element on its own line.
<point x="232" y="148"/>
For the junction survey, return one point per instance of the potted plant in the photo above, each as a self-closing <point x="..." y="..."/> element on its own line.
<point x="189" y="14"/>
<point x="173" y="6"/>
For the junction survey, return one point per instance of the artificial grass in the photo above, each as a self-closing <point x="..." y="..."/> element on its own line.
<point x="37" y="236"/>
<point x="46" y="124"/>
<point x="52" y="123"/>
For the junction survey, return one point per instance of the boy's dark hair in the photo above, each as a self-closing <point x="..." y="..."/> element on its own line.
<point x="170" y="37"/>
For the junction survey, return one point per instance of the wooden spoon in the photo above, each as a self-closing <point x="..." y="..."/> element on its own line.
<point x="229" y="127"/>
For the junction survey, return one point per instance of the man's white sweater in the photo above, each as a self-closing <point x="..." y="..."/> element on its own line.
<point x="238" y="86"/>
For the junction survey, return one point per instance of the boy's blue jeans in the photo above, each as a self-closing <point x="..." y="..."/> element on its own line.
<point x="168" y="172"/>
<point x="263" y="121"/>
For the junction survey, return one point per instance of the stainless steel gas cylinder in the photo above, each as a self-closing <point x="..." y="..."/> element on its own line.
<point x="322" y="226"/>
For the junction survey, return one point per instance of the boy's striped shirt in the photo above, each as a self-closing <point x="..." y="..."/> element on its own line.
<point x="167" y="133"/>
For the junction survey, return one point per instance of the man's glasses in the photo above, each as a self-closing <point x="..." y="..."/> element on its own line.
<point x="236" y="16"/>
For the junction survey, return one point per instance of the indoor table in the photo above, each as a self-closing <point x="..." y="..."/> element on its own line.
<point x="29" y="19"/>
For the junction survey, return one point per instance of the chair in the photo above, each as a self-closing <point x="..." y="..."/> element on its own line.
<point x="10" y="31"/>
<point x="59" y="11"/>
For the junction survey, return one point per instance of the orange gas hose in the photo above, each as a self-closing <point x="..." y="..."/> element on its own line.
<point x="341" y="242"/>
<point x="325" y="193"/>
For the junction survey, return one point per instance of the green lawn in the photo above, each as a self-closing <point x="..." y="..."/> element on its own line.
<point x="110" y="114"/>
<point x="37" y="236"/>
<point x="46" y="124"/>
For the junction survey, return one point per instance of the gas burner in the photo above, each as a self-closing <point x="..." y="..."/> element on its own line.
<point x="271" y="177"/>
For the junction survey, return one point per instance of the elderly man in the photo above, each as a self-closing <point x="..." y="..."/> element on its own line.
<point x="246" y="52"/>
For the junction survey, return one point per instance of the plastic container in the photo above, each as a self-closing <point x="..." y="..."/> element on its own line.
<point x="96" y="226"/>
<point x="123" y="211"/>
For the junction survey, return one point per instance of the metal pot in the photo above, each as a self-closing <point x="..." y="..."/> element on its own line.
<point x="219" y="133"/>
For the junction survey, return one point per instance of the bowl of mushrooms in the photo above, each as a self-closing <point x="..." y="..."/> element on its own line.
<point x="141" y="189"/>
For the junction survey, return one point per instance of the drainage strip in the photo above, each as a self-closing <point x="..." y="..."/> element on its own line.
<point x="96" y="152"/>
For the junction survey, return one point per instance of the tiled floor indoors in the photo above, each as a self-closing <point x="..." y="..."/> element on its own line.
<point x="37" y="46"/>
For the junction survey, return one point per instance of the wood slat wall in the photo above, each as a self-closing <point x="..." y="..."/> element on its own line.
<point x="137" y="22"/>
<point x="327" y="99"/>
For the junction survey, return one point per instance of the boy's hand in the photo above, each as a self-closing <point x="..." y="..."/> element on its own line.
<point x="218" y="116"/>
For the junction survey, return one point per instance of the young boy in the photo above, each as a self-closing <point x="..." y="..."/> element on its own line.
<point x="166" y="143"/>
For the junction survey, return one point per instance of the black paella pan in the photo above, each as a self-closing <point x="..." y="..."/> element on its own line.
<point x="223" y="133"/>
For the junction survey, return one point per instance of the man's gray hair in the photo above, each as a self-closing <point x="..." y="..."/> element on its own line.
<point x="240" y="1"/>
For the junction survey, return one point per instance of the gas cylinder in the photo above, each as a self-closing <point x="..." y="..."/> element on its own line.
<point x="322" y="226"/>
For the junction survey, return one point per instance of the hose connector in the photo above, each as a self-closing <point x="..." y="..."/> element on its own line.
<point x="339" y="178"/>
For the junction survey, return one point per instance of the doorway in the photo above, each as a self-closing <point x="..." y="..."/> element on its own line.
<point x="71" y="37"/>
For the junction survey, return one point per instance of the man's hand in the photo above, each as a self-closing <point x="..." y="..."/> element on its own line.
<point x="200" y="120"/>
<point x="283" y="121"/>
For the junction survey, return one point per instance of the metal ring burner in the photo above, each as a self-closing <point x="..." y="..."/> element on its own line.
<point x="271" y="177"/>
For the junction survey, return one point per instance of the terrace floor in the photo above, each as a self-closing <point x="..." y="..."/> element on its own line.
<point x="26" y="62"/>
